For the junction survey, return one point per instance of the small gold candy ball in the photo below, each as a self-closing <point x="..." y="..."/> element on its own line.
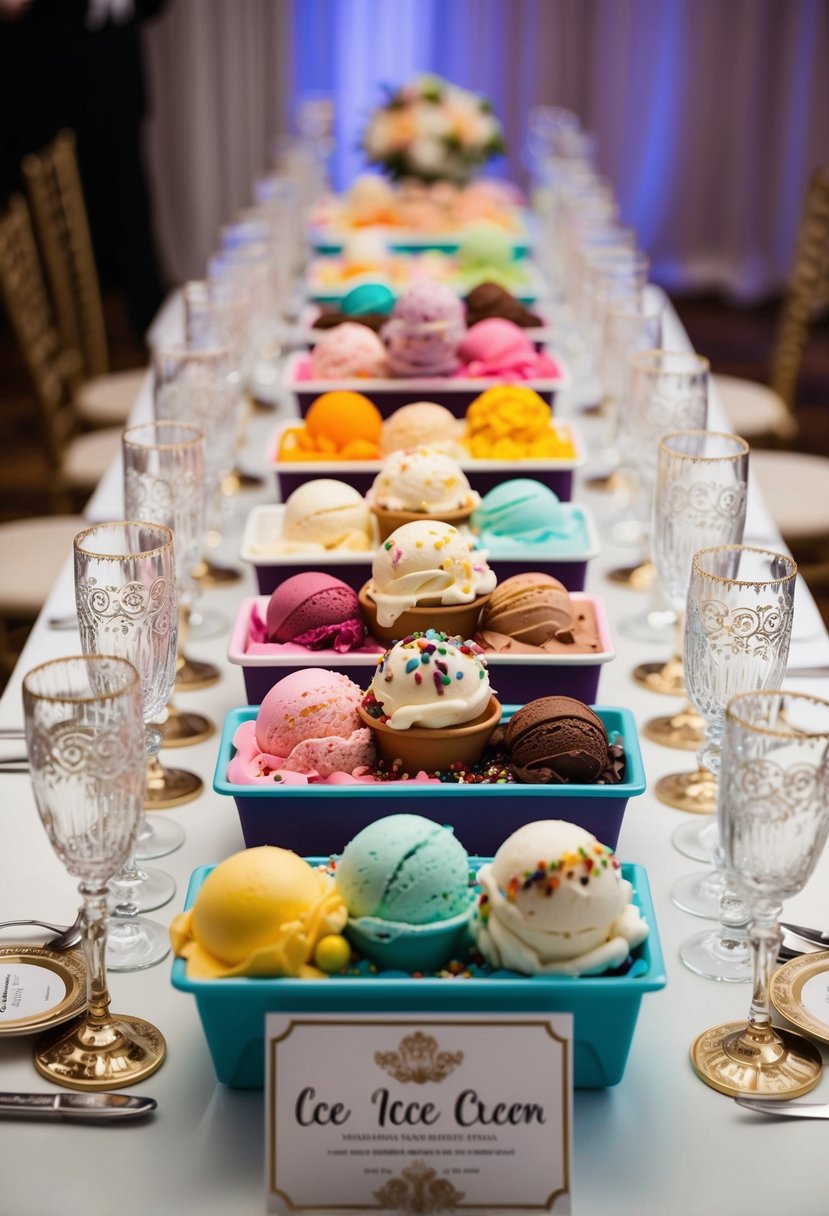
<point x="332" y="953"/>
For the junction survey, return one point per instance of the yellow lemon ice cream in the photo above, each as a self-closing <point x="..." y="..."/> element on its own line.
<point x="512" y="422"/>
<point x="261" y="912"/>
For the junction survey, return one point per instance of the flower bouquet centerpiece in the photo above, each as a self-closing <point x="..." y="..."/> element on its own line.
<point x="432" y="130"/>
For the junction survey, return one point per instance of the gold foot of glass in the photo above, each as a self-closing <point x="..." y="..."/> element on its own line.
<point x="772" y="1063"/>
<point x="610" y="484"/>
<point x="112" y="1054"/>
<point x="239" y="480"/>
<point x="684" y="731"/>
<point x="168" y="787"/>
<point x="695" y="792"/>
<point x="639" y="578"/>
<point x="207" y="574"/>
<point x="193" y="674"/>
<point x="183" y="728"/>
<point x="664" y="678"/>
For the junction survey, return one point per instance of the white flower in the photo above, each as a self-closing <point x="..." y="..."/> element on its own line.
<point x="426" y="155"/>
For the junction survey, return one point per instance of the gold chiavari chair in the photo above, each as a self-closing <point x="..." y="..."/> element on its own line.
<point x="794" y="484"/>
<point x="53" y="184"/>
<point x="767" y="411"/>
<point x="76" y="460"/>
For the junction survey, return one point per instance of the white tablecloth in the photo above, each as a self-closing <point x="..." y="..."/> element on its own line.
<point x="659" y="1142"/>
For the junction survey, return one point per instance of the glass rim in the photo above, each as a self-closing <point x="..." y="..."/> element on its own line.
<point x="121" y="523"/>
<point x="744" y="582"/>
<point x="732" y="713"/>
<point x="738" y="439"/>
<point x="129" y="440"/>
<point x="130" y="670"/>
<point x="648" y="360"/>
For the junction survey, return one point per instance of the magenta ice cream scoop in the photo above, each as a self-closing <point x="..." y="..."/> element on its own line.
<point x="316" y="610"/>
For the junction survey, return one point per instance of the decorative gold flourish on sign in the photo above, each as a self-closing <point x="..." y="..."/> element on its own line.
<point x="418" y="1059"/>
<point x="419" y="1189"/>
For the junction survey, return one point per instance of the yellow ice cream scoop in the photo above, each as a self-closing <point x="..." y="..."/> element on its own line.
<point x="512" y="422"/>
<point x="261" y="912"/>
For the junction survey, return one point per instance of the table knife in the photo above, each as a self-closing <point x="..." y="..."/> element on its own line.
<point x="817" y="936"/>
<point x="75" y="1106"/>
<point x="786" y="1107"/>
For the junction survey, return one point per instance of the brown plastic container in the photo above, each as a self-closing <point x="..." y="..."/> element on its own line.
<point x="432" y="750"/>
<point x="458" y="620"/>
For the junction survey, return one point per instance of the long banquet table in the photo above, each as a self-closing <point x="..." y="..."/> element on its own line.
<point x="659" y="1142"/>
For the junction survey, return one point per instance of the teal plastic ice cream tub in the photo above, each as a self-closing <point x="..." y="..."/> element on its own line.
<point x="604" y="1007"/>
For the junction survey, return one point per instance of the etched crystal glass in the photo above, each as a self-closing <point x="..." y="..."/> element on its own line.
<point x="773" y="812"/>
<point x="668" y="392"/>
<point x="700" y="501"/>
<point x="85" y="741"/>
<point x="164" y="481"/>
<point x="125" y="594"/>
<point x="203" y="386"/>
<point x="738" y="627"/>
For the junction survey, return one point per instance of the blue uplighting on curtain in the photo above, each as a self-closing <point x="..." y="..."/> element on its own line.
<point x="350" y="49"/>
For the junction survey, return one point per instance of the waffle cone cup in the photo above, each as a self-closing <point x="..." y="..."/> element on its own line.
<point x="434" y="750"/>
<point x="458" y="620"/>
<point x="388" y="520"/>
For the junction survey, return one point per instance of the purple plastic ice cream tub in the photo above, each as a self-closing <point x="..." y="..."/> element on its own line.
<point x="264" y="526"/>
<point x="515" y="678"/>
<point x="322" y="819"/>
<point x="454" y="393"/>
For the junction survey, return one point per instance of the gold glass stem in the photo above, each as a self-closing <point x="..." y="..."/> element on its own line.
<point x="94" y="916"/>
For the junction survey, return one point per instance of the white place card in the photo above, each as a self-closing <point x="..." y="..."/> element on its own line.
<point x="419" y="1113"/>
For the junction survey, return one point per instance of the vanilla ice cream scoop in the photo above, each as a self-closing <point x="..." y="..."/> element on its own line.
<point x="324" y="514"/>
<point x="422" y="479"/>
<point x="429" y="680"/>
<point x="426" y="562"/>
<point x="553" y="900"/>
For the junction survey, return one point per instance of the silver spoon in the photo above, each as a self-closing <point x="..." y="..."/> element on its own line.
<point x="65" y="937"/>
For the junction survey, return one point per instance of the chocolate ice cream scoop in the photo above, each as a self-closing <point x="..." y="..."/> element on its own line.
<point x="557" y="741"/>
<point x="532" y="608"/>
<point x="330" y="318"/>
<point x="491" y="300"/>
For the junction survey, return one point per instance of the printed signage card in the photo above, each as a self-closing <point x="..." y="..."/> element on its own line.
<point x="419" y="1113"/>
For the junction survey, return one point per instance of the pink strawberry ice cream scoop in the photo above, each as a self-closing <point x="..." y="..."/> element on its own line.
<point x="424" y="330"/>
<point x="316" y="610"/>
<point x="349" y="352"/>
<point x="308" y="723"/>
<point x="496" y="347"/>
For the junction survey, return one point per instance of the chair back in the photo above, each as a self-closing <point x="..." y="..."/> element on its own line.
<point x="53" y="183"/>
<point x="808" y="288"/>
<point x="54" y="370"/>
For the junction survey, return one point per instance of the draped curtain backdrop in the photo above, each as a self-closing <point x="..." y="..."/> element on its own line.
<point x="709" y="114"/>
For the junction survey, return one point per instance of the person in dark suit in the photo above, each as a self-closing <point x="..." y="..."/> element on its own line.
<point x="77" y="64"/>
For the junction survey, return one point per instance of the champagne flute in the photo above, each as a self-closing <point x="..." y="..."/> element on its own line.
<point x="738" y="628"/>
<point x="668" y="392"/>
<point x="700" y="502"/>
<point x="773" y="811"/>
<point x="164" y="481"/>
<point x="203" y="386"/>
<point x="125" y="595"/>
<point x="630" y="322"/>
<point x="85" y="740"/>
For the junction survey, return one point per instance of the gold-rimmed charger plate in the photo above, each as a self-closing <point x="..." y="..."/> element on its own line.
<point x="49" y="987"/>
<point x="799" y="988"/>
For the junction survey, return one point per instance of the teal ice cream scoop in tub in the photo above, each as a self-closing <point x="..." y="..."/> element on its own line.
<point x="406" y="883"/>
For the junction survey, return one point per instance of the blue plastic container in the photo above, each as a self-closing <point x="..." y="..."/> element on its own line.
<point x="314" y="819"/>
<point x="605" y="1008"/>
